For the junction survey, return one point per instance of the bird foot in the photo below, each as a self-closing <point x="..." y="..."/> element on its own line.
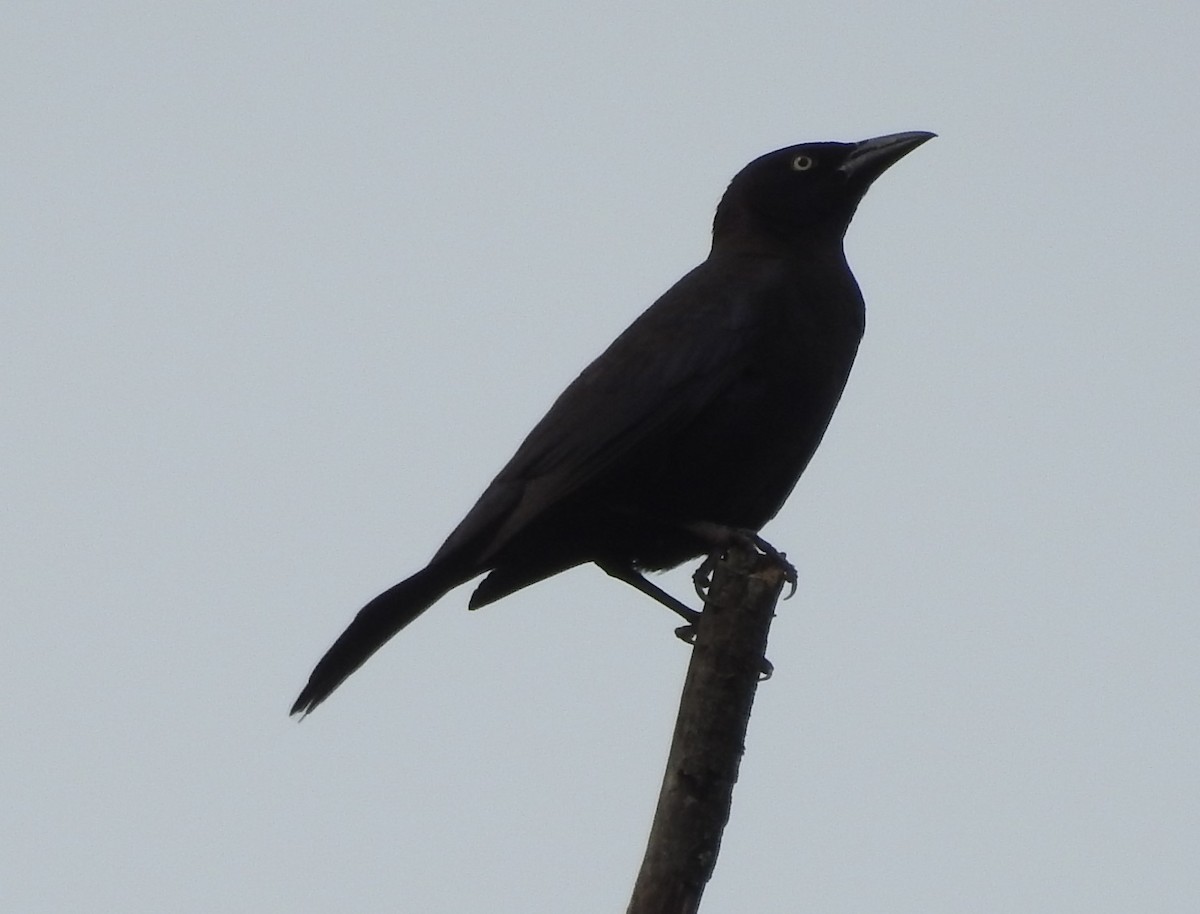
<point x="702" y="576"/>
<point x="780" y="559"/>
<point x="723" y="537"/>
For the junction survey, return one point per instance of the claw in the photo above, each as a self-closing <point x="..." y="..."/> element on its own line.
<point x="720" y="537"/>
<point x="702" y="576"/>
<point x="789" y="570"/>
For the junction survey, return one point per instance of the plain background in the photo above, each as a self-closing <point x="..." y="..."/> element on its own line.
<point x="283" y="285"/>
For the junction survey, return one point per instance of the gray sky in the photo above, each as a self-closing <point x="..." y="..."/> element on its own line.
<point x="285" y="284"/>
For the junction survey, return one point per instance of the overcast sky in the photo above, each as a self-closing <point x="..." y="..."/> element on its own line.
<point x="282" y="287"/>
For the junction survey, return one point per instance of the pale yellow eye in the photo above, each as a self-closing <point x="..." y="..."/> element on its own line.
<point x="803" y="163"/>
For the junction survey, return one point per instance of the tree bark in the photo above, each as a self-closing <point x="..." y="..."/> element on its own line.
<point x="710" y="731"/>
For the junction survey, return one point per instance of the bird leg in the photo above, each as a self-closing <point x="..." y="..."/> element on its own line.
<point x="636" y="579"/>
<point x="685" y="633"/>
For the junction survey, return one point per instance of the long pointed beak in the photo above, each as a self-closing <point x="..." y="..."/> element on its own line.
<point x="871" y="158"/>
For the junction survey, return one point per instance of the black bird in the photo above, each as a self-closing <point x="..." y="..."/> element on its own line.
<point x="692" y="427"/>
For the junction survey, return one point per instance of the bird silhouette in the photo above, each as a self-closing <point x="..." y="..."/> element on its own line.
<point x="692" y="427"/>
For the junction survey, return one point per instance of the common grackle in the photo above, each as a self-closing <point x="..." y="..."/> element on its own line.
<point x="692" y="427"/>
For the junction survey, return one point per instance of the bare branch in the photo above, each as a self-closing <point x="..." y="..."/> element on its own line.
<point x="710" y="732"/>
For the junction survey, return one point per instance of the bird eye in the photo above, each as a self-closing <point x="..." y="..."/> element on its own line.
<point x="803" y="163"/>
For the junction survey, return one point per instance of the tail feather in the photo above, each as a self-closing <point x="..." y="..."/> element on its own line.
<point x="374" y="625"/>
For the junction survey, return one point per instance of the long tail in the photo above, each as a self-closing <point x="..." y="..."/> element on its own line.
<point x="372" y="627"/>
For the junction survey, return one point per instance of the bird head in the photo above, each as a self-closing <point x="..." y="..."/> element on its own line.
<point x="806" y="191"/>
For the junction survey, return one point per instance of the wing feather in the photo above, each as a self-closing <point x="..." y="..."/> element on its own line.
<point x="654" y="379"/>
